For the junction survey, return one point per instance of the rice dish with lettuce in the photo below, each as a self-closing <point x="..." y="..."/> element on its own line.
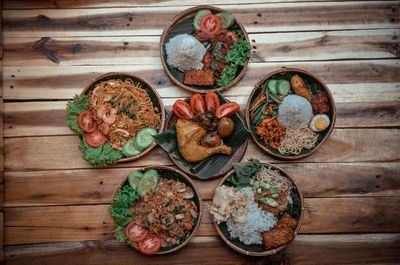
<point x="256" y="221"/>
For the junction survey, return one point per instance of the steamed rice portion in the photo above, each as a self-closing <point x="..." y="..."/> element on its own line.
<point x="295" y="112"/>
<point x="185" y="52"/>
<point x="256" y="221"/>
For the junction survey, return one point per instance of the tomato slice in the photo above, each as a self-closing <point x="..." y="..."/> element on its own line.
<point x="197" y="104"/>
<point x="135" y="232"/>
<point x="86" y="121"/>
<point x="95" y="139"/>
<point x="210" y="24"/>
<point x="227" y="109"/>
<point x="182" y="110"/>
<point x="212" y="101"/>
<point x="150" y="245"/>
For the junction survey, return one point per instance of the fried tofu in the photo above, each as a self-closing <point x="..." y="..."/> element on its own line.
<point x="199" y="77"/>
<point x="281" y="234"/>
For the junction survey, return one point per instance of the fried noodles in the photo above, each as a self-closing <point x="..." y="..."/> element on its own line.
<point x="125" y="107"/>
<point x="297" y="139"/>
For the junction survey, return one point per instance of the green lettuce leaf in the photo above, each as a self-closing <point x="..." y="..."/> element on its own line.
<point x="74" y="107"/>
<point x="120" y="207"/>
<point x="100" y="156"/>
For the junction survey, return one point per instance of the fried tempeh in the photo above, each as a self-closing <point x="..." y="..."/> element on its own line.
<point x="281" y="234"/>
<point x="199" y="77"/>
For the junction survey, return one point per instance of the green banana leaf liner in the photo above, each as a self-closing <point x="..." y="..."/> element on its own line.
<point x="208" y="167"/>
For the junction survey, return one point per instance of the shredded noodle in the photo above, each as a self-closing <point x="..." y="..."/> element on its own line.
<point x="297" y="139"/>
<point x="128" y="109"/>
<point x="275" y="178"/>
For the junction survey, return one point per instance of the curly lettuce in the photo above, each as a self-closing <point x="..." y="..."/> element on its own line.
<point x="235" y="58"/>
<point x="100" y="156"/>
<point x="74" y="107"/>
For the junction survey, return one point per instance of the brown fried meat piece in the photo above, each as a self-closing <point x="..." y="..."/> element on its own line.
<point x="319" y="103"/>
<point x="281" y="234"/>
<point x="199" y="77"/>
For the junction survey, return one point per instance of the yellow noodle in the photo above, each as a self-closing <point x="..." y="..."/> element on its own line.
<point x="131" y="97"/>
<point x="297" y="139"/>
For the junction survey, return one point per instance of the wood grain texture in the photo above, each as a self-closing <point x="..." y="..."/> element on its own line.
<point x="269" y="47"/>
<point x="349" y="81"/>
<point x="26" y="225"/>
<point x="72" y="187"/>
<point x="49" y="118"/>
<point x="70" y="4"/>
<point x="305" y="249"/>
<point x="61" y="152"/>
<point x="273" y="17"/>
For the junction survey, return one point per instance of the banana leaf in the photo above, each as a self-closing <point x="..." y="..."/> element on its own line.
<point x="186" y="27"/>
<point x="314" y="86"/>
<point x="208" y="167"/>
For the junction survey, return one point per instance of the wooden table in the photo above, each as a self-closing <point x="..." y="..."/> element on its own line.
<point x="54" y="209"/>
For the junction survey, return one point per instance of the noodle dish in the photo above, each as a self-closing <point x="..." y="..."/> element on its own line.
<point x="257" y="208"/>
<point x="156" y="210"/>
<point x="290" y="113"/>
<point x="116" y="118"/>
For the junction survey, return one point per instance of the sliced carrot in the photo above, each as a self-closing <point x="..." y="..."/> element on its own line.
<point x="265" y="121"/>
<point x="188" y="226"/>
<point x="258" y="102"/>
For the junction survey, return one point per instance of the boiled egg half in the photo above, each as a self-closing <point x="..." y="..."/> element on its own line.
<point x="319" y="123"/>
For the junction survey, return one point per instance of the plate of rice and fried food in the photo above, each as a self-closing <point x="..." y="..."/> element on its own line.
<point x="156" y="210"/>
<point x="290" y="113"/>
<point x="257" y="208"/>
<point x="205" y="48"/>
<point x="116" y="118"/>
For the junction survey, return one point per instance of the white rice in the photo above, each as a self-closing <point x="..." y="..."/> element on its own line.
<point x="295" y="112"/>
<point x="257" y="221"/>
<point x="185" y="52"/>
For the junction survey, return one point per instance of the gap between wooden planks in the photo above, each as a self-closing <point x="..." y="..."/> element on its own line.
<point x="305" y="249"/>
<point x="96" y="186"/>
<point x="278" y="17"/>
<point x="26" y="225"/>
<point x="270" y="47"/>
<point x="62" y="152"/>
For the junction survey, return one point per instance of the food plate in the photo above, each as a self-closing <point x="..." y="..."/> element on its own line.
<point x="117" y="106"/>
<point x="309" y="113"/>
<point x="215" y="165"/>
<point x="170" y="204"/>
<point x="289" y="220"/>
<point x="183" y="24"/>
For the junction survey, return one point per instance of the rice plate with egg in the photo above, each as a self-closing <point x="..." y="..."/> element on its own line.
<point x="256" y="221"/>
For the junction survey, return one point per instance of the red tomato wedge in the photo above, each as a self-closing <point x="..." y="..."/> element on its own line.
<point x="135" y="232"/>
<point x="86" y="121"/>
<point x="150" y="245"/>
<point x="197" y="104"/>
<point x="212" y="101"/>
<point x="210" y="24"/>
<point x="95" y="139"/>
<point x="182" y="110"/>
<point x="227" y="109"/>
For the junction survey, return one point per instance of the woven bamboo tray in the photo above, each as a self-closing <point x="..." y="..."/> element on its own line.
<point x="197" y="199"/>
<point x="150" y="90"/>
<point x="331" y="114"/>
<point x="272" y="251"/>
<point x="191" y="12"/>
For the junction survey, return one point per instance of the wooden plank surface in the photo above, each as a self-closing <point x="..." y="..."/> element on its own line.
<point x="74" y="187"/>
<point x="349" y="81"/>
<point x="269" y="47"/>
<point x="62" y="152"/>
<point x="305" y="249"/>
<point x="274" y="17"/>
<point x="26" y="225"/>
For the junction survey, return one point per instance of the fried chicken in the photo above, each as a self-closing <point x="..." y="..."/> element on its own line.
<point x="281" y="234"/>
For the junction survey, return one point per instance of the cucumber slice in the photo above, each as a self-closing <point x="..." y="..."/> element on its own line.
<point x="199" y="15"/>
<point x="134" y="178"/>
<point x="144" y="138"/>
<point x="272" y="86"/>
<point x="129" y="149"/>
<point x="283" y="87"/>
<point x="148" y="181"/>
<point x="226" y="19"/>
